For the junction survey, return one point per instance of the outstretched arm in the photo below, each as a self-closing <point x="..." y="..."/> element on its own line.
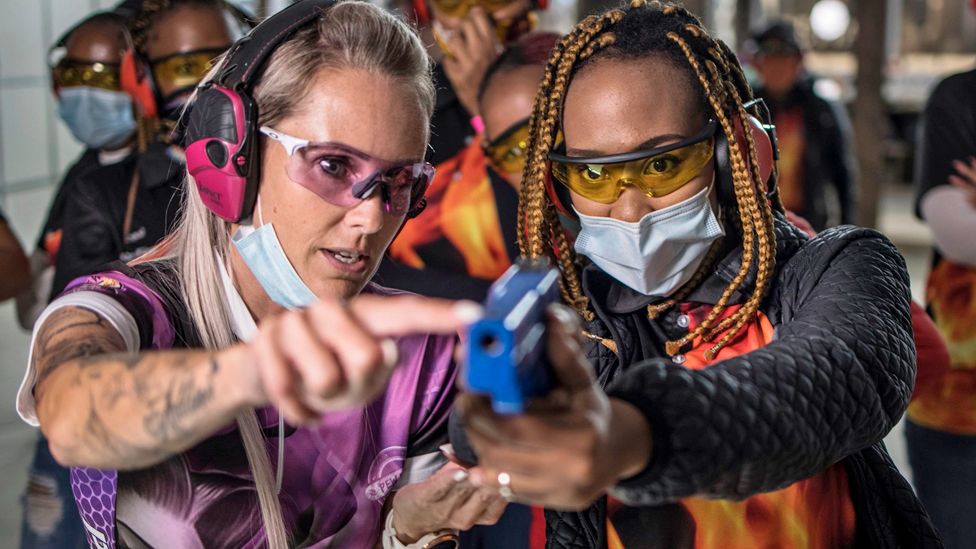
<point x="100" y="406"/>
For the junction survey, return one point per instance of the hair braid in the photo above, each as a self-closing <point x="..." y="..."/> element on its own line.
<point x="538" y="104"/>
<point x="655" y="309"/>
<point x="539" y="232"/>
<point x="149" y="12"/>
<point x="755" y="204"/>
<point x="140" y="24"/>
<point x="745" y="91"/>
<point x="762" y="218"/>
<point x="673" y="347"/>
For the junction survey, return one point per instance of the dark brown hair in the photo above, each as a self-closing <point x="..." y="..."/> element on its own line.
<point x="151" y="10"/>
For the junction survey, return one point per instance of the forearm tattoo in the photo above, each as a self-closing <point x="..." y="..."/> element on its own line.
<point x="136" y="406"/>
<point x="71" y="333"/>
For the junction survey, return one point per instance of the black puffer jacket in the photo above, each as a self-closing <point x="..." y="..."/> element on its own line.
<point x="835" y="379"/>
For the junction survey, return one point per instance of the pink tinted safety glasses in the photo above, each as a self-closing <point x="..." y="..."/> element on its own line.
<point x="345" y="176"/>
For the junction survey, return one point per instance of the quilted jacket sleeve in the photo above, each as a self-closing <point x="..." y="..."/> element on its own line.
<point x="835" y="379"/>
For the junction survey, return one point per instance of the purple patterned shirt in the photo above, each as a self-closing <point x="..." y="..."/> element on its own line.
<point x="336" y="475"/>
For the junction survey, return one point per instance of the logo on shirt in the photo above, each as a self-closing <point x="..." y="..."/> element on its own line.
<point x="385" y="472"/>
<point x="106" y="282"/>
<point x="136" y="235"/>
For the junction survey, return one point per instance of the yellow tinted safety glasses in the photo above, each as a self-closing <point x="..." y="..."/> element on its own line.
<point x="93" y="74"/>
<point x="507" y="152"/>
<point x="656" y="172"/>
<point x="184" y="70"/>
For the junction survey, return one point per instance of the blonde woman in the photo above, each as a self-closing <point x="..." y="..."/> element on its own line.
<point x="137" y="374"/>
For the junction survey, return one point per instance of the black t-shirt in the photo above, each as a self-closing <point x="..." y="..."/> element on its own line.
<point x="948" y="132"/>
<point x="55" y="217"/>
<point x="95" y="211"/>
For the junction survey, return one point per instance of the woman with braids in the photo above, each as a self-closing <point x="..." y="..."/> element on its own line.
<point x="745" y="374"/>
<point x="231" y="388"/>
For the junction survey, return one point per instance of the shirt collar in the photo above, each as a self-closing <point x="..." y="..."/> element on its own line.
<point x="106" y="158"/>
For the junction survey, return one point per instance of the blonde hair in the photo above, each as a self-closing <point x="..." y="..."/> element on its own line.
<point x="660" y="28"/>
<point x="352" y="34"/>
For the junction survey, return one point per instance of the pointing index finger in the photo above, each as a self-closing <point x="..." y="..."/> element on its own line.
<point x="409" y="314"/>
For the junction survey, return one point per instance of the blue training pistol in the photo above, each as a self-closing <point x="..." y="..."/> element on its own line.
<point x="506" y="348"/>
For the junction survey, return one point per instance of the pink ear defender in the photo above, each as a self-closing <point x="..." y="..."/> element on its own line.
<point x="221" y="163"/>
<point x="222" y="153"/>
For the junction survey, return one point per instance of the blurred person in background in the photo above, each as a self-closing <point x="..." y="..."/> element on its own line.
<point x="14" y="267"/>
<point x="465" y="239"/>
<point x="467" y="35"/>
<point x="941" y="426"/>
<point x="85" y="77"/>
<point x="505" y="100"/>
<point x="814" y="134"/>
<point x="85" y="80"/>
<point x="121" y="210"/>
<point x="117" y="203"/>
<point x="437" y="255"/>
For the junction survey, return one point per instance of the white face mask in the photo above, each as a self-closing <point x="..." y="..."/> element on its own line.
<point x="658" y="254"/>
<point x="262" y="253"/>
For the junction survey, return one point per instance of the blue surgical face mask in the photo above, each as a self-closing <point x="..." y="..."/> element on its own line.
<point x="262" y="253"/>
<point x="101" y="119"/>
<point x="658" y="254"/>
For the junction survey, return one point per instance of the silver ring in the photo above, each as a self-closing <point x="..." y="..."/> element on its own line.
<point x="505" y="485"/>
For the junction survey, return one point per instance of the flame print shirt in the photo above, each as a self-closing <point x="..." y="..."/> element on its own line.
<point x="949" y="134"/>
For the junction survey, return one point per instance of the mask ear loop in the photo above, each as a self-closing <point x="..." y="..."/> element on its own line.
<point x="260" y="214"/>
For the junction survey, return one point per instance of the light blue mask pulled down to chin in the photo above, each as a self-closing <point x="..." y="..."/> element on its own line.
<point x="262" y="253"/>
